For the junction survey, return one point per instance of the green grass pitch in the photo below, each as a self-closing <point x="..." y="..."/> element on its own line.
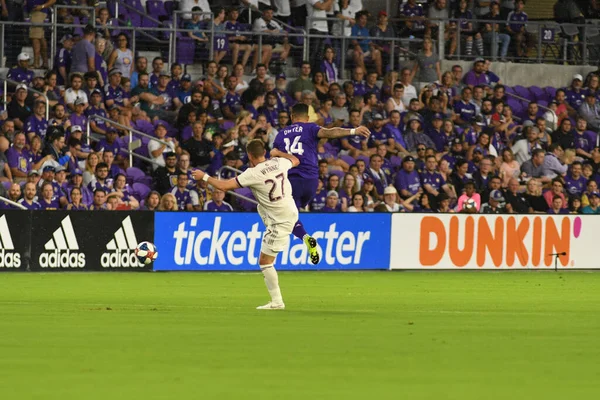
<point x="371" y="335"/>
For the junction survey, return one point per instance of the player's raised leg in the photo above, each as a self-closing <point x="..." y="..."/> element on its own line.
<point x="303" y="191"/>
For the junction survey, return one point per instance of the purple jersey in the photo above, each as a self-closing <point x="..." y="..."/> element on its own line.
<point x="33" y="206"/>
<point x="233" y="101"/>
<point x="284" y="100"/>
<point x="464" y="18"/>
<point x="407" y="181"/>
<point x="19" y="160"/>
<point x="585" y="141"/>
<point x="318" y="201"/>
<point x="113" y="147"/>
<point x="516" y="16"/>
<point x="62" y="59"/>
<point x="80" y="120"/>
<point x="575" y="98"/>
<point x="101" y="67"/>
<point x="470" y="136"/>
<point x="38" y="126"/>
<point x="472" y="79"/>
<point x="356" y="141"/>
<point x="272" y="115"/>
<point x="168" y="95"/>
<point x="21" y="75"/>
<point x="184" y="198"/>
<point x="432" y="178"/>
<point x="360" y="88"/>
<point x="212" y="206"/>
<point x="439" y="138"/>
<point x="154" y="80"/>
<point x="301" y="140"/>
<point x="575" y="186"/>
<point x="93" y="111"/>
<point x="413" y="11"/>
<point x="54" y="204"/>
<point x="381" y="135"/>
<point x="117" y="94"/>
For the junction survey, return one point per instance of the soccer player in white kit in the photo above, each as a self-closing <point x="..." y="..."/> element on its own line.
<point x="268" y="180"/>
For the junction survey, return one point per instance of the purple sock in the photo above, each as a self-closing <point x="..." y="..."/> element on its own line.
<point x="299" y="230"/>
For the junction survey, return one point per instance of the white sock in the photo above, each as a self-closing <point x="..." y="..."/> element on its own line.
<point x="272" y="282"/>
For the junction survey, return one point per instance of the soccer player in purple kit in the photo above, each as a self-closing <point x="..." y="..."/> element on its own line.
<point x="301" y="139"/>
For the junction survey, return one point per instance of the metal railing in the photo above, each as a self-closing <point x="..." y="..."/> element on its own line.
<point x="29" y="89"/>
<point x="55" y="25"/>
<point x="233" y="193"/>
<point x="131" y="141"/>
<point x="13" y="203"/>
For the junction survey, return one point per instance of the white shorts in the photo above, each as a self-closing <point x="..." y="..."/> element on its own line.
<point x="276" y="236"/>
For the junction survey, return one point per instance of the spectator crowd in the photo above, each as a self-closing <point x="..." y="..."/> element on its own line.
<point x="441" y="141"/>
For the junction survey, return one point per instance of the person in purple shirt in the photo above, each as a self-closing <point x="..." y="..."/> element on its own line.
<point x="109" y="143"/>
<point x="332" y="203"/>
<point x="78" y="117"/>
<point x="557" y="206"/>
<point x="48" y="200"/>
<point x="96" y="125"/>
<point x="432" y="181"/>
<point x="464" y="109"/>
<point x="62" y="60"/>
<point x="575" y="94"/>
<point x="360" y="89"/>
<point x="516" y="27"/>
<point x="394" y="128"/>
<point x="477" y="75"/>
<point x="414" y="13"/>
<point x="380" y="135"/>
<point x="301" y="139"/>
<point x="19" y="158"/>
<point x="270" y="110"/>
<point x="87" y="197"/>
<point x="36" y="124"/>
<point x="28" y="200"/>
<point x="328" y="66"/>
<point x="318" y="201"/>
<point x="585" y="140"/>
<point x="183" y="195"/>
<point x="435" y="132"/>
<point x="113" y="92"/>
<point x="575" y="182"/>
<point x="217" y="203"/>
<point x="284" y="100"/>
<point x="231" y="104"/>
<point x="407" y="181"/>
<point x="21" y="72"/>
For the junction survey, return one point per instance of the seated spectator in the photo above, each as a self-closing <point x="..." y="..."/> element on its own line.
<point x="114" y="94"/>
<point x="75" y="92"/>
<point x="78" y="117"/>
<point x="220" y="39"/>
<point x="534" y="167"/>
<point x="195" y="26"/>
<point x="495" y="204"/>
<point x="48" y="200"/>
<point x="432" y="182"/>
<point x="469" y="194"/>
<point x="413" y="17"/>
<point x="464" y="110"/>
<point x="575" y="94"/>
<point x="157" y="69"/>
<point x="558" y="206"/>
<point x="270" y="109"/>
<point x="594" y="205"/>
<point x="29" y="194"/>
<point x="332" y="203"/>
<point x="492" y="31"/>
<point x="165" y="177"/>
<point x="156" y="149"/>
<point x="21" y="72"/>
<point x="329" y="67"/>
<point x="414" y="135"/>
<point x="95" y="108"/>
<point x="564" y="135"/>
<point x="36" y="124"/>
<point x="407" y="181"/>
<point x="240" y="42"/>
<point x="181" y="192"/>
<point x="590" y="111"/>
<point x="217" y="203"/>
<point x="355" y="145"/>
<point x="477" y="76"/>
<point x="377" y="174"/>
<point x="467" y="31"/>
<point x="364" y="48"/>
<point x="151" y="202"/>
<point x="302" y="83"/>
<point x="168" y="202"/>
<point x="18" y="157"/>
<point x="18" y="111"/>
<point x="517" y="31"/>
<point x="276" y="40"/>
<point x="395" y="103"/>
<point x="339" y="111"/>
<point x="165" y="111"/>
<point x="585" y="140"/>
<point x="231" y="104"/>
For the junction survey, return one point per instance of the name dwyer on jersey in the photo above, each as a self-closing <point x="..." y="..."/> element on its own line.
<point x="62" y="249"/>
<point x="8" y="257"/>
<point x="236" y="247"/>
<point x="121" y="249"/>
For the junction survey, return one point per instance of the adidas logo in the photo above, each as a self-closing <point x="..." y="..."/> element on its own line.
<point x="62" y="249"/>
<point x="8" y="259"/>
<point x="121" y="249"/>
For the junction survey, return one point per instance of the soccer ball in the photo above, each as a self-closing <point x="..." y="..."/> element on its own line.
<point x="146" y="252"/>
<point x="470" y="206"/>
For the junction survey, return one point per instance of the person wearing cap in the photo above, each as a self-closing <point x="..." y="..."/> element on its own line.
<point x="332" y="202"/>
<point x="75" y="92"/>
<point x="407" y="181"/>
<point x="590" y="111"/>
<point x="62" y="60"/>
<point x="21" y="72"/>
<point x="436" y="134"/>
<point x="78" y="117"/>
<point x="95" y="108"/>
<point x="18" y="111"/>
<point x="84" y="52"/>
<point x="36" y="124"/>
<point x="414" y="136"/>
<point x="183" y="91"/>
<point x="380" y="135"/>
<point x="156" y="149"/>
<point x="575" y="94"/>
<point x="165" y="111"/>
<point x="594" y="206"/>
<point x="495" y="204"/>
<point x="29" y="197"/>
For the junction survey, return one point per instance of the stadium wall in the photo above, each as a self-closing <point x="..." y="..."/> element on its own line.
<point x="43" y="241"/>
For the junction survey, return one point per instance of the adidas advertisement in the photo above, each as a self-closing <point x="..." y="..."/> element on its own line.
<point x="97" y="241"/>
<point x="15" y="231"/>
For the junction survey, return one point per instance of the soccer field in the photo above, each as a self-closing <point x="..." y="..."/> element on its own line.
<point x="372" y="335"/>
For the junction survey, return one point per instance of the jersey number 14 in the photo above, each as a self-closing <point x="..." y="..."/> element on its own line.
<point x="296" y="146"/>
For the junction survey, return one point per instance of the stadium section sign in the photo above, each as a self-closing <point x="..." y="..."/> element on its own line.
<point x="96" y="241"/>
<point x="231" y="242"/>
<point x="460" y="241"/>
<point x="15" y="231"/>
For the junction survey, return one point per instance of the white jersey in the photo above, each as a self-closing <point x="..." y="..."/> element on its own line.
<point x="272" y="189"/>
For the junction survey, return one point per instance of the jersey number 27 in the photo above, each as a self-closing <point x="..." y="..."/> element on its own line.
<point x="296" y="146"/>
<point x="273" y="192"/>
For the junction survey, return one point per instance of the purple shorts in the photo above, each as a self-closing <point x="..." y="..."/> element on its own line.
<point x="303" y="189"/>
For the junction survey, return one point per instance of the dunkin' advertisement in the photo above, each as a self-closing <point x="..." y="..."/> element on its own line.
<point x="461" y="241"/>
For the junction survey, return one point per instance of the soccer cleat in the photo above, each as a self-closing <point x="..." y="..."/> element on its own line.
<point x="271" y="306"/>
<point x="311" y="243"/>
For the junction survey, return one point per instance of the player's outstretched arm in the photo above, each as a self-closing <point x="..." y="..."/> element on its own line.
<point x="336" y="133"/>
<point x="281" y="154"/>
<point x="224" y="185"/>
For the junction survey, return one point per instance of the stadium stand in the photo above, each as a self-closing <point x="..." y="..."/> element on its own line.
<point x="131" y="96"/>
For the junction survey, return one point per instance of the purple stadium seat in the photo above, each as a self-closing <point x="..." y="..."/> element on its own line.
<point x="170" y="7"/>
<point x="522" y="91"/>
<point x="509" y="89"/>
<point x="348" y="159"/>
<point x="246" y="205"/>
<point x="538" y="93"/>
<point x="7" y="185"/>
<point x="156" y="8"/>
<point x="137" y="4"/>
<point x="115" y="32"/>
<point x="543" y="103"/>
<point x="141" y="190"/>
<point x="339" y="174"/>
<point x="551" y="91"/>
<point x="135" y="174"/>
<point x="365" y="159"/>
<point x="330" y="148"/>
<point x="186" y="48"/>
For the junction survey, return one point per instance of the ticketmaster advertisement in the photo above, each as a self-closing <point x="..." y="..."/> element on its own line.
<point x="231" y="242"/>
<point x="82" y="241"/>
